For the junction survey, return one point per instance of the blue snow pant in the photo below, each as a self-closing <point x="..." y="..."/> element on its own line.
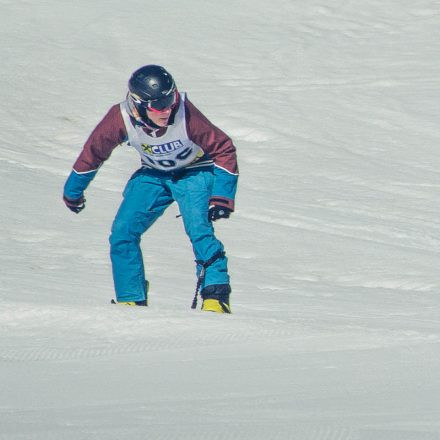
<point x="147" y="194"/>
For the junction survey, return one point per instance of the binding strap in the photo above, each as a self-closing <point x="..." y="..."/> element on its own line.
<point x="201" y="278"/>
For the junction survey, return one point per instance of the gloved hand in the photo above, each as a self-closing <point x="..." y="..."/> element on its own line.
<point x="216" y="212"/>
<point x="75" y="205"/>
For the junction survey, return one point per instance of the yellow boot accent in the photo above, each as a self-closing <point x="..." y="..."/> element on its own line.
<point x="214" y="305"/>
<point x="130" y="303"/>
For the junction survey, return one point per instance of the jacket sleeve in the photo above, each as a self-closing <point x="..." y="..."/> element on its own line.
<point x="107" y="135"/>
<point x="220" y="148"/>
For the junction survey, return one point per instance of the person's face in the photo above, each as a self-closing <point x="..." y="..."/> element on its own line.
<point x="161" y="117"/>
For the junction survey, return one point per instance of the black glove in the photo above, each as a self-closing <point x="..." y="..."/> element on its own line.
<point x="75" y="205"/>
<point x="216" y="212"/>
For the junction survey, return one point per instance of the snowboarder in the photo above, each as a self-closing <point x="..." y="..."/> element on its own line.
<point x="184" y="158"/>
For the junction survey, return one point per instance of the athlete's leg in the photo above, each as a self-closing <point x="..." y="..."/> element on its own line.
<point x="145" y="200"/>
<point x="192" y="193"/>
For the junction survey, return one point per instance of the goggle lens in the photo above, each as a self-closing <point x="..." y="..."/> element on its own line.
<point x="158" y="105"/>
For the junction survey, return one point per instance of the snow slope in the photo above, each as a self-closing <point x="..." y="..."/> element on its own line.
<point x="334" y="248"/>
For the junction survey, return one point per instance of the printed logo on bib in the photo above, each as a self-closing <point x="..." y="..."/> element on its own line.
<point x="167" y="156"/>
<point x="162" y="148"/>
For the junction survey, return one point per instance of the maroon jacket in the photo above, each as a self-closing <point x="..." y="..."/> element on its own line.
<point x="111" y="132"/>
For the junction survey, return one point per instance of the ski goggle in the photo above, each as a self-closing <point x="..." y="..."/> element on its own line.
<point x="157" y="105"/>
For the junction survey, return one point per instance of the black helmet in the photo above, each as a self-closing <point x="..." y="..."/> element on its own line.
<point x="152" y="87"/>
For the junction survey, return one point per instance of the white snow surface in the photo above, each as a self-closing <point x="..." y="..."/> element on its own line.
<point x="333" y="249"/>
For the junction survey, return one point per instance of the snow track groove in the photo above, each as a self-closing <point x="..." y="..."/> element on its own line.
<point x="206" y="431"/>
